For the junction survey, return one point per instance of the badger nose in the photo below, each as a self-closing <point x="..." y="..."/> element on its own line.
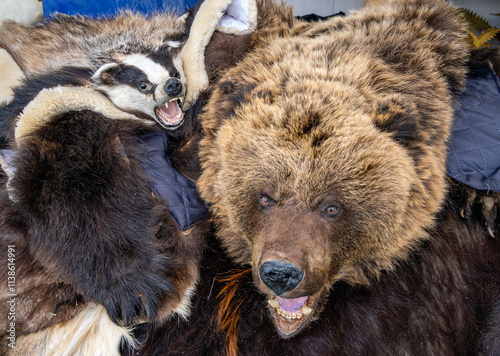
<point x="279" y="276"/>
<point x="173" y="87"/>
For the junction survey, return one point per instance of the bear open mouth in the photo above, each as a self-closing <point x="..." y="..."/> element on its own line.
<point x="170" y="115"/>
<point x="291" y="315"/>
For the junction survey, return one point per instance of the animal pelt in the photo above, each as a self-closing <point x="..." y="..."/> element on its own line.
<point x="86" y="228"/>
<point x="324" y="154"/>
<point x="65" y="40"/>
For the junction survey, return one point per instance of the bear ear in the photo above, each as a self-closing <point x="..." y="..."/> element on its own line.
<point x="396" y="114"/>
<point x="104" y="75"/>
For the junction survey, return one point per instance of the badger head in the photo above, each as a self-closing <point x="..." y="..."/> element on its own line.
<point x="149" y="86"/>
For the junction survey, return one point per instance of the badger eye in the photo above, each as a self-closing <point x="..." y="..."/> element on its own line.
<point x="265" y="201"/>
<point x="145" y="86"/>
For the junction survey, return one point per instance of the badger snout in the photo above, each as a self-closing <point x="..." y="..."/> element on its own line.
<point x="173" y="87"/>
<point x="280" y="276"/>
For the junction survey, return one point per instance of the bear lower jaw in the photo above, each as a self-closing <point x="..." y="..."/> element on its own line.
<point x="290" y="323"/>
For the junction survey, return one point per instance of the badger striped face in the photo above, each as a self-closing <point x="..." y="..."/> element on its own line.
<point x="147" y="86"/>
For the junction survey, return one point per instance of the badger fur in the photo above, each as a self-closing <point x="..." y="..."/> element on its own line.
<point x="88" y="42"/>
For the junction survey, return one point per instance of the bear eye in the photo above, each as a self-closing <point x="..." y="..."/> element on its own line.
<point x="265" y="201"/>
<point x="145" y="86"/>
<point x="330" y="210"/>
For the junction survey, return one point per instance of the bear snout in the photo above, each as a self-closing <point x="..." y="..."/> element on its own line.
<point x="280" y="276"/>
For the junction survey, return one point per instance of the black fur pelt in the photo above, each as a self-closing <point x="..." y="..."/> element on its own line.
<point x="442" y="301"/>
<point x="89" y="213"/>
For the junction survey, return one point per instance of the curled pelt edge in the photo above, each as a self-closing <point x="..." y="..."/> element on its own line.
<point x="235" y="17"/>
<point x="54" y="101"/>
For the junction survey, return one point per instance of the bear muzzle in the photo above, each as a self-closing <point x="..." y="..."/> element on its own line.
<point x="280" y="276"/>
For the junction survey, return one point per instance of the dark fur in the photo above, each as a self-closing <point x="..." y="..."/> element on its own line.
<point x="91" y="228"/>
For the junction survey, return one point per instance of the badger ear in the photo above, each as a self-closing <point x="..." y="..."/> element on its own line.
<point x="104" y="75"/>
<point x="396" y="114"/>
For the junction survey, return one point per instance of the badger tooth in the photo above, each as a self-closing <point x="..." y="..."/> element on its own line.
<point x="306" y="310"/>
<point x="274" y="303"/>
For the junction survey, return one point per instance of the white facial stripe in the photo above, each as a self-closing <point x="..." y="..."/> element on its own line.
<point x="129" y="99"/>
<point x="155" y="72"/>
<point x="178" y="65"/>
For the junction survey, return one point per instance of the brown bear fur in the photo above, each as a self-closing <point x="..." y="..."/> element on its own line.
<point x="339" y="129"/>
<point x="363" y="126"/>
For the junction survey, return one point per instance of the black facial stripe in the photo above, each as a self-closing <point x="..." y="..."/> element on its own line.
<point x="131" y="76"/>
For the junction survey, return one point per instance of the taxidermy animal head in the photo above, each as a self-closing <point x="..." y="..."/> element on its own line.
<point x="146" y="86"/>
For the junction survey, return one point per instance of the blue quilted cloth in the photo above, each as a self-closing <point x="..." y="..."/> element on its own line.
<point x="179" y="192"/>
<point x="474" y="146"/>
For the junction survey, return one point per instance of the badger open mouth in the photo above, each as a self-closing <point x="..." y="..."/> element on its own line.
<point x="291" y="315"/>
<point x="170" y="115"/>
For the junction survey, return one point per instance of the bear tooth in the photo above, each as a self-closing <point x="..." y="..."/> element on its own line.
<point x="306" y="310"/>
<point x="274" y="303"/>
<point x="294" y="316"/>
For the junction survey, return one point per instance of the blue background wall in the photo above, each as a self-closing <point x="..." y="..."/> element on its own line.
<point x="109" y="7"/>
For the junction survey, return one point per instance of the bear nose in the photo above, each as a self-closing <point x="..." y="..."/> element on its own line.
<point x="173" y="87"/>
<point x="279" y="276"/>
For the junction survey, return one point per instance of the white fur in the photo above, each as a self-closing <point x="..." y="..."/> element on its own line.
<point x="155" y="72"/>
<point x="27" y="12"/>
<point x="130" y="99"/>
<point x="127" y="98"/>
<point x="11" y="75"/>
<point x="207" y="20"/>
<point x="184" y="309"/>
<point x="173" y="44"/>
<point x="105" y="67"/>
<point x="89" y="333"/>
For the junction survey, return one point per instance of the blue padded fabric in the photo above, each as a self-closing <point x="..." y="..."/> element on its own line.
<point x="173" y="188"/>
<point x="474" y="146"/>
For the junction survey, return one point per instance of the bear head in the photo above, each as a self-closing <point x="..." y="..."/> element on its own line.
<point x="324" y="153"/>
